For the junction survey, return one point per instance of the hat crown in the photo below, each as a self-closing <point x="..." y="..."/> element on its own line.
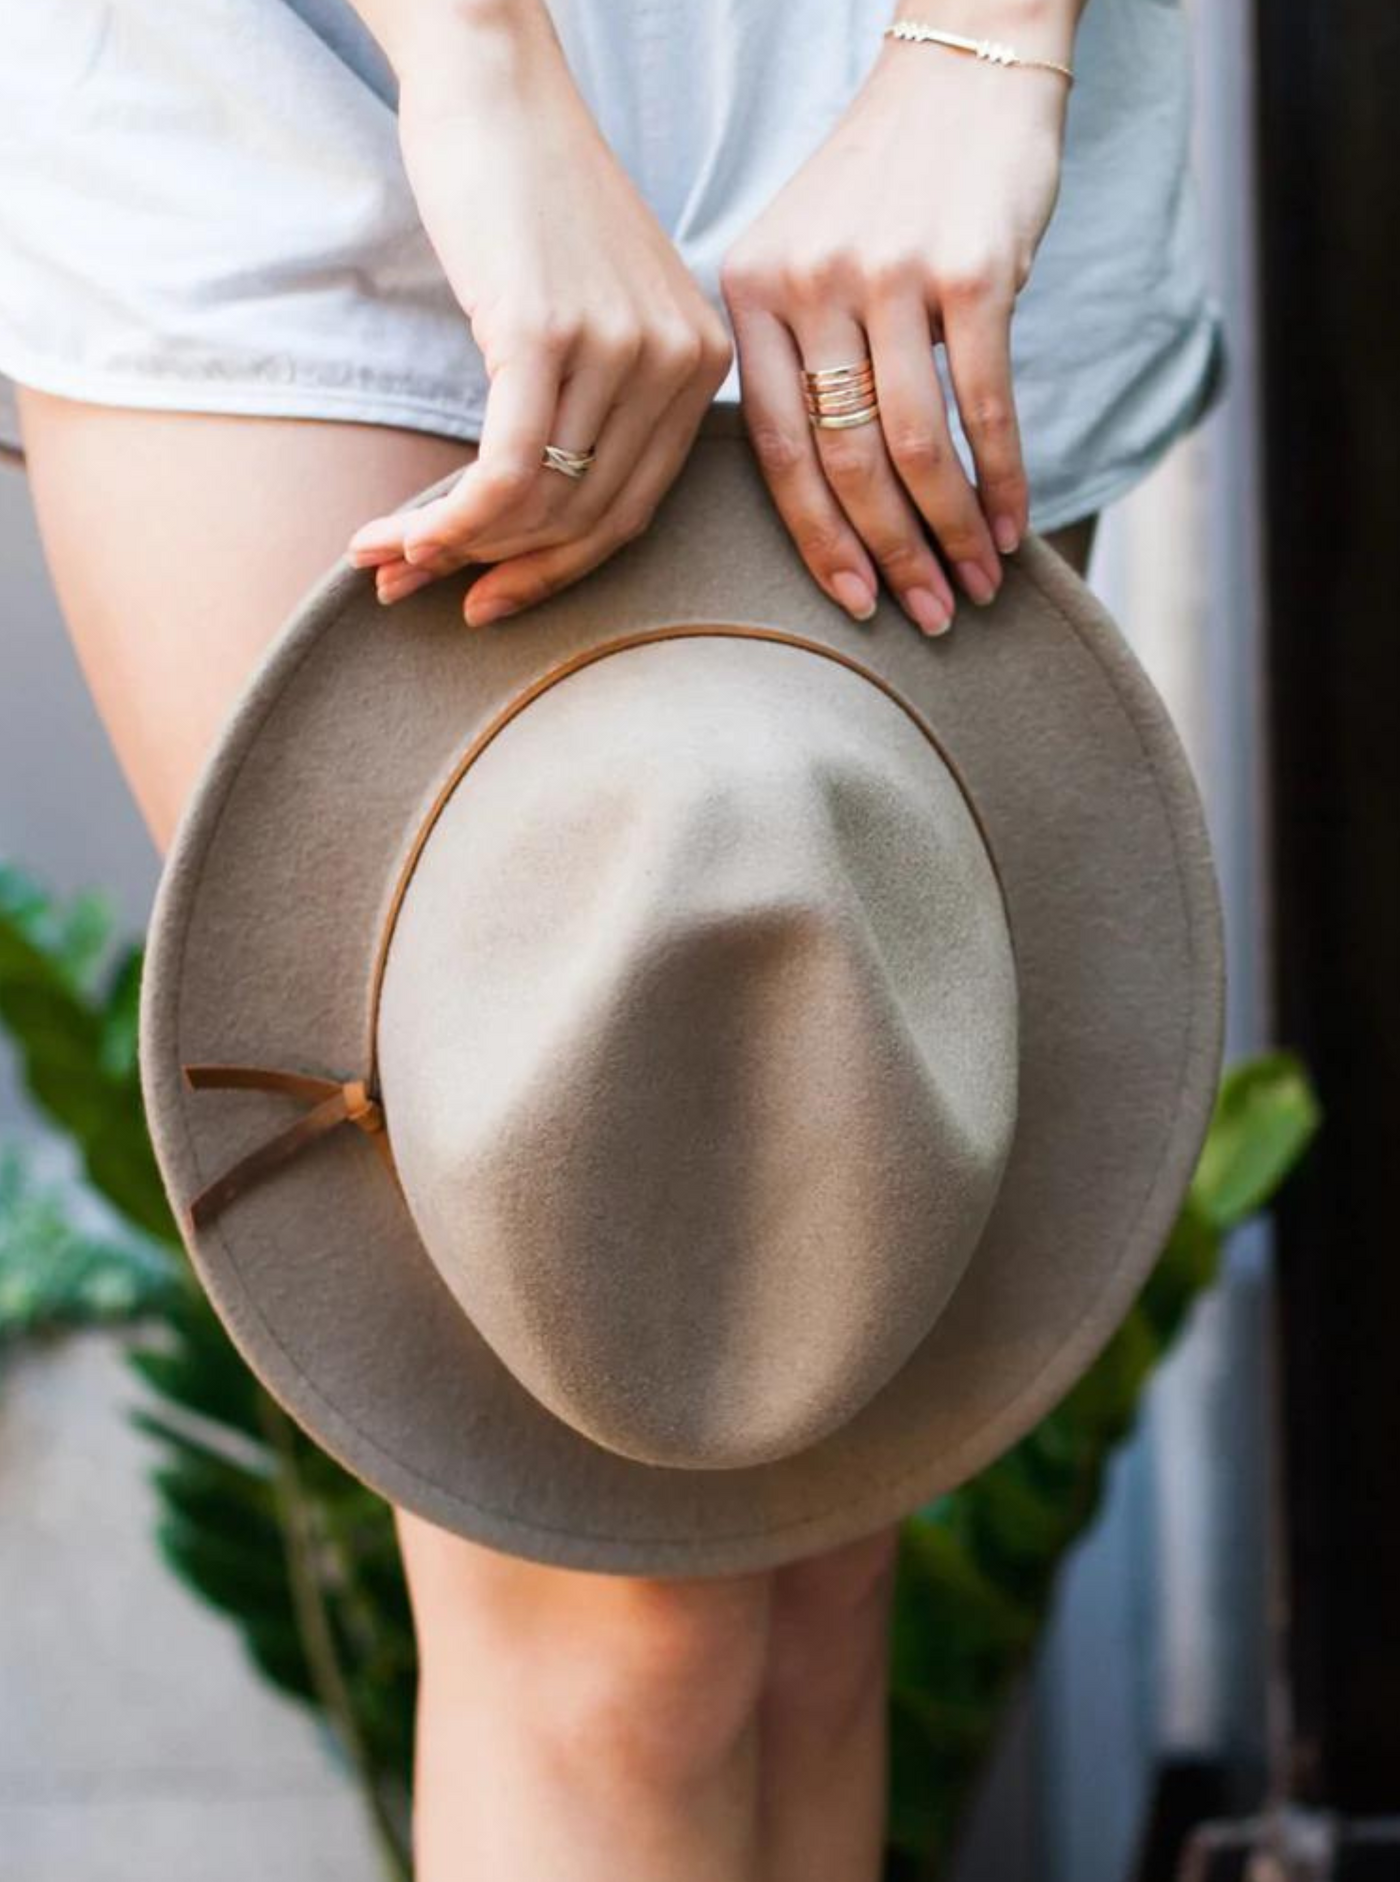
<point x="697" y="1040"/>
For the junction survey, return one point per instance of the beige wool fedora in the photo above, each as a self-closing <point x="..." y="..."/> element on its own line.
<point x="672" y="1082"/>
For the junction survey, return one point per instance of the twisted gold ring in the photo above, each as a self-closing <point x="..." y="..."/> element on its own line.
<point x="572" y="463"/>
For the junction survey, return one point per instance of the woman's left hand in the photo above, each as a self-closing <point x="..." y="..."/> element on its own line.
<point x="915" y="222"/>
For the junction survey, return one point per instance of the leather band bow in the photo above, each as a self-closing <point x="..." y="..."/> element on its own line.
<point x="333" y="1102"/>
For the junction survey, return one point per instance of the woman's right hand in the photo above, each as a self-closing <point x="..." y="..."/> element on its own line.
<point x="593" y="330"/>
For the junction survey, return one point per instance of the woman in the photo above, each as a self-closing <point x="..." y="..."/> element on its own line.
<point x="272" y="273"/>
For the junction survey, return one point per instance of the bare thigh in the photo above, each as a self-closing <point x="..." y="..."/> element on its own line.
<point x="179" y="542"/>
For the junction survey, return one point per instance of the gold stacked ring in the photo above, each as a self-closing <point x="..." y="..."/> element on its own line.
<point x="840" y="396"/>
<point x="573" y="463"/>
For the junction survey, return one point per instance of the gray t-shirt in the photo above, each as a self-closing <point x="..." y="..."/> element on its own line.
<point x="210" y="212"/>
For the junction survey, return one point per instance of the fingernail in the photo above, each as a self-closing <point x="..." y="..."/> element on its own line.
<point x="421" y="553"/>
<point x="482" y="613"/>
<point x="854" y="593"/>
<point x="394" y="588"/>
<point x="928" y="611"/>
<point x="976" y="581"/>
<point x="1006" y="534"/>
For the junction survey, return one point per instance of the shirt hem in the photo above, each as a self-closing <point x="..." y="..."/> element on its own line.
<point x="311" y="399"/>
<point x="1097" y="493"/>
<point x="247" y="398"/>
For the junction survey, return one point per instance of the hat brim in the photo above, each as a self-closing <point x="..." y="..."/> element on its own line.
<point x="261" y="949"/>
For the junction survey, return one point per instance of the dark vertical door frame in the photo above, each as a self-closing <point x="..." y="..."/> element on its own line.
<point x="1329" y="166"/>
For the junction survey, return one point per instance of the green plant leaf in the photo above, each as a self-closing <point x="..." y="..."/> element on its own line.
<point x="1265" y="1117"/>
<point x="190" y="1361"/>
<point x="55" y="1275"/>
<point x="75" y="1040"/>
<point x="73" y="938"/>
<point x="992" y="1549"/>
<point x="120" y="1018"/>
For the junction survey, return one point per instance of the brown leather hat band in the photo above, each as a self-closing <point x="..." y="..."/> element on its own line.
<point x="355" y="1101"/>
<point x="332" y="1104"/>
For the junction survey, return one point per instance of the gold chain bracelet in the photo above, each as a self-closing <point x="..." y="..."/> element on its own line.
<point x="991" y="49"/>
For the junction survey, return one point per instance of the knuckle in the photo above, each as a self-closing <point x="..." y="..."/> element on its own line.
<point x="677" y="350"/>
<point x="1007" y="482"/>
<point x="961" y="542"/>
<point x="617" y="342"/>
<point x="777" y="450"/>
<point x="819" y="542"/>
<point x="970" y="284"/>
<point x="916" y="448"/>
<point x="812" y="279"/>
<point x="893" y="275"/>
<point x="717" y="349"/>
<point x="990" y="414"/>
<point x="526" y="592"/>
<point x="554" y="331"/>
<point x="847" y="462"/>
<point x="508" y="478"/>
<point x="745" y="279"/>
<point x="902" y="557"/>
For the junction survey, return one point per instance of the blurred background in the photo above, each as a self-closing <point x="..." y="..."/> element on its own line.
<point x="1223" y="1638"/>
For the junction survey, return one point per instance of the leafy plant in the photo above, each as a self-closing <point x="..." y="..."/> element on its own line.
<point x="978" y="1568"/>
<point x="254" y="1517"/>
<point x="302" y="1558"/>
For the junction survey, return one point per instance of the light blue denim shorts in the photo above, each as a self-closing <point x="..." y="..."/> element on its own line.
<point x="204" y="208"/>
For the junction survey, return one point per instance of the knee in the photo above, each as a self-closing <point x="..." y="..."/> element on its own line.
<point x="829" y="1633"/>
<point x="608" y="1679"/>
<point x="661" y="1681"/>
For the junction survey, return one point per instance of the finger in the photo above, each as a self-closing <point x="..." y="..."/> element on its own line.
<point x="520" y="410"/>
<point x="671" y="361"/>
<point x="588" y="395"/>
<point x="673" y="357"/>
<point x="624" y="433"/>
<point x="586" y="401"/>
<point x="395" y="580"/>
<point x="376" y="542"/>
<point x="914" y="420"/>
<point x="511" y="586"/>
<point x="776" y="420"/>
<point x="977" y="335"/>
<point x="667" y="359"/>
<point x="858" y="468"/>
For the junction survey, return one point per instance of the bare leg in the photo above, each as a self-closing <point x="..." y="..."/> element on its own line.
<point x="583" y="1727"/>
<point x="572" y="1726"/>
<point x="826" y="1693"/>
<point x="179" y="542"/>
<point x="824" y="1710"/>
<point x="569" y="1725"/>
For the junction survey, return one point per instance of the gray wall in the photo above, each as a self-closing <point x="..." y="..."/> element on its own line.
<point x="134" y="1741"/>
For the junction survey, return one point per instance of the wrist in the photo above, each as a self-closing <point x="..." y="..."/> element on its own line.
<point x="433" y="44"/>
<point x="1035" y="29"/>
